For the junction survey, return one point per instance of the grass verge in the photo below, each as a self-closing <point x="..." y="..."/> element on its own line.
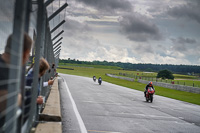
<point x="90" y="72"/>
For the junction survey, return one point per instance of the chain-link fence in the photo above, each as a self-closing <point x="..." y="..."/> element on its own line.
<point x="27" y="27"/>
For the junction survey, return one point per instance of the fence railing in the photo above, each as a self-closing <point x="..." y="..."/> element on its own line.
<point x="190" y="82"/>
<point x="161" y="84"/>
<point x="22" y="22"/>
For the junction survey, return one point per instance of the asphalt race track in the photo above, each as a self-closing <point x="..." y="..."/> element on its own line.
<point x="108" y="108"/>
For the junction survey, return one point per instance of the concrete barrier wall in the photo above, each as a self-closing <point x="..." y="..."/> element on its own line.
<point x="166" y="85"/>
<point x="173" y="86"/>
<point x="119" y="77"/>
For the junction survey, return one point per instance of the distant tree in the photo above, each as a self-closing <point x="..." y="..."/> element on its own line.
<point x="165" y="74"/>
<point x="181" y="69"/>
<point x="149" y="70"/>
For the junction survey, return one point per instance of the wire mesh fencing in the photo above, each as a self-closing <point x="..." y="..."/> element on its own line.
<point x="26" y="42"/>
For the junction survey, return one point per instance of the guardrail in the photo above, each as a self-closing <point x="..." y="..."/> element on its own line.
<point x="173" y="86"/>
<point x="166" y="85"/>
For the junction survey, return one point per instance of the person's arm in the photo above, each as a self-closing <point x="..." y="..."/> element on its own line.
<point x="146" y="87"/>
<point x="45" y="84"/>
<point x="50" y="82"/>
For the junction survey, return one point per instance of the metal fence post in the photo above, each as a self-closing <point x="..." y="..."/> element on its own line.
<point x="48" y="2"/>
<point x="62" y="22"/>
<point x="58" y="35"/>
<point x="57" y="11"/>
<point x="26" y="29"/>
<point x="16" y="61"/>
<point x="57" y="45"/>
<point x="39" y="44"/>
<point x="57" y="52"/>
<point x="57" y="41"/>
<point x="57" y="49"/>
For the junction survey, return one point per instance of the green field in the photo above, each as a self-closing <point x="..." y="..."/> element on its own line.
<point x="90" y="66"/>
<point x="154" y="74"/>
<point x="186" y="80"/>
<point x="91" y="71"/>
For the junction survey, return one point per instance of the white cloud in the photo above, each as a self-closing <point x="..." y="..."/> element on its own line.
<point x="110" y="54"/>
<point x="148" y="34"/>
<point x="158" y="59"/>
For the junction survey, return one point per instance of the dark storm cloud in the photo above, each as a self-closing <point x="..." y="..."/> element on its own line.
<point x="108" y="5"/>
<point x="190" y="11"/>
<point x="182" y="40"/>
<point x="138" y="28"/>
<point x="182" y="44"/>
<point x="75" y="26"/>
<point x="180" y="47"/>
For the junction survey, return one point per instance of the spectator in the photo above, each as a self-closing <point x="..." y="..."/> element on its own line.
<point x="4" y="71"/>
<point x="30" y="70"/>
<point x="53" y="71"/>
<point x="43" y="67"/>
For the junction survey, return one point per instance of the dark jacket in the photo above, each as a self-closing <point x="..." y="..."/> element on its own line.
<point x="149" y="86"/>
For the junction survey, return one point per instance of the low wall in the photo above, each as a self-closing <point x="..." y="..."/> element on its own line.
<point x="166" y="85"/>
<point x="173" y="86"/>
<point x="119" y="77"/>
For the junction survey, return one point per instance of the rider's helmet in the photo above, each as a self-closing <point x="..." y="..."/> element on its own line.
<point x="150" y="83"/>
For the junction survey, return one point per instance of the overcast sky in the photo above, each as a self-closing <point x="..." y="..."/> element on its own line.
<point x="135" y="31"/>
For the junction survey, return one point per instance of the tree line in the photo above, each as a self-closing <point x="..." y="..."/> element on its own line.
<point x="182" y="69"/>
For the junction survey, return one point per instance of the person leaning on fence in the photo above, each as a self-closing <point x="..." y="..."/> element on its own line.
<point x="4" y="72"/>
<point x="43" y="67"/>
<point x="53" y="70"/>
<point x="45" y="84"/>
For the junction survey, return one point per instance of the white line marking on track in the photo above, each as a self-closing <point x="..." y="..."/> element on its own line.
<point x="103" y="131"/>
<point x="80" y="121"/>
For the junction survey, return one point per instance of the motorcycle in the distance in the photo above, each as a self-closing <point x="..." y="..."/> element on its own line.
<point x="149" y="94"/>
<point x="99" y="81"/>
<point x="94" y="78"/>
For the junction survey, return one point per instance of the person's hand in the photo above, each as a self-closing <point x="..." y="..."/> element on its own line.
<point x="39" y="100"/>
<point x="50" y="82"/>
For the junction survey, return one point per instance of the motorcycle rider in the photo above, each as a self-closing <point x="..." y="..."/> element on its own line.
<point x="100" y="79"/>
<point x="150" y="84"/>
<point x="94" y="78"/>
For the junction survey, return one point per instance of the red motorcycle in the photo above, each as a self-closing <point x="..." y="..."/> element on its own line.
<point x="149" y="94"/>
